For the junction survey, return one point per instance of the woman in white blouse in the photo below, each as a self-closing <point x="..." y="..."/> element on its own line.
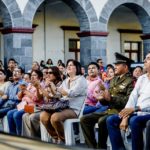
<point x="73" y="89"/>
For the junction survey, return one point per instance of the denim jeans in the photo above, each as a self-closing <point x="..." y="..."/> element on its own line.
<point x="137" y="125"/>
<point x="89" y="109"/>
<point x="15" y="121"/>
<point x="147" y="136"/>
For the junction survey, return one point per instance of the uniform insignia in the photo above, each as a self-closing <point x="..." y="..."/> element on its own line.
<point x="122" y="86"/>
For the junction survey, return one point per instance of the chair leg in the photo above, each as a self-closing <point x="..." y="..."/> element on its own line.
<point x="5" y="124"/>
<point x="69" y="133"/>
<point x="44" y="134"/>
<point x="82" y="140"/>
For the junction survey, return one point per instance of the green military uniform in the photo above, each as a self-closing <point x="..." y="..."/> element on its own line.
<point x="120" y="89"/>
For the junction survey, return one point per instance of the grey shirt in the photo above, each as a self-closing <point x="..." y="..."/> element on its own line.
<point x="77" y="91"/>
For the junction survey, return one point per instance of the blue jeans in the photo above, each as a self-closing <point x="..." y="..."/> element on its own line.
<point x="3" y="111"/>
<point x="15" y="121"/>
<point x="89" y="109"/>
<point x="136" y="123"/>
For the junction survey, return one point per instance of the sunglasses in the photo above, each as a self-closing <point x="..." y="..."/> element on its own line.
<point x="50" y="72"/>
<point x="45" y="72"/>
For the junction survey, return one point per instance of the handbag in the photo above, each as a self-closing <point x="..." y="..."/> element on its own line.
<point x="55" y="105"/>
<point x="29" y="109"/>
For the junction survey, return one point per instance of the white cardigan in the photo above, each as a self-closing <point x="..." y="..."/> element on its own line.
<point x="77" y="92"/>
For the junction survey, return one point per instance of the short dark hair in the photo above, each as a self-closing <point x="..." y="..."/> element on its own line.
<point x="94" y="63"/>
<point x="39" y="73"/>
<point x="139" y="67"/>
<point x="12" y="59"/>
<point x="77" y="65"/>
<point x="21" y="69"/>
<point x="98" y="60"/>
<point x="29" y="74"/>
<point x="62" y="64"/>
<point x="110" y="65"/>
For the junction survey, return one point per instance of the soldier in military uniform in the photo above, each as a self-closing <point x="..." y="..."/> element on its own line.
<point x="116" y="98"/>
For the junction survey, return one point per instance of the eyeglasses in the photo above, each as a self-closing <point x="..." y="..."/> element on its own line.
<point x="50" y="72"/>
<point x="45" y="72"/>
<point x="100" y="62"/>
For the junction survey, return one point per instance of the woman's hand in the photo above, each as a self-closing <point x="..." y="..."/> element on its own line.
<point x="37" y="85"/>
<point x="1" y="93"/>
<point x="62" y="91"/>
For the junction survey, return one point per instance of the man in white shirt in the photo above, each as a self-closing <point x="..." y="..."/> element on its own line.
<point x="136" y="113"/>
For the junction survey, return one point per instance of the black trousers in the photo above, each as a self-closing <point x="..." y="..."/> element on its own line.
<point x="88" y="123"/>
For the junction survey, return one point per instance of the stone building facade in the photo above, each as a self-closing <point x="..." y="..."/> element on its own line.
<point x="17" y="27"/>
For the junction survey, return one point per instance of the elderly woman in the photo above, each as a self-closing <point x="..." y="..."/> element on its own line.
<point x="73" y="89"/>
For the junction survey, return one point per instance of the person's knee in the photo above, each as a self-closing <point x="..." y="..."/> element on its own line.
<point x="55" y="118"/>
<point x="111" y="120"/>
<point x="85" y="119"/>
<point x="25" y="117"/>
<point x="44" y="118"/>
<point x="32" y="117"/>
<point x="82" y="119"/>
<point x="9" y="114"/>
<point x="16" y="115"/>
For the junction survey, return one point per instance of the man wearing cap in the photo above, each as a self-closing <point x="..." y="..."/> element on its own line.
<point x="116" y="98"/>
<point x="136" y="113"/>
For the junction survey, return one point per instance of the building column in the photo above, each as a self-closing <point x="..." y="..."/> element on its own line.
<point x="146" y="44"/>
<point x="92" y="46"/>
<point x="18" y="45"/>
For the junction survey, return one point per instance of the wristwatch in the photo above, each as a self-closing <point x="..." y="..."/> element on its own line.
<point x="136" y="108"/>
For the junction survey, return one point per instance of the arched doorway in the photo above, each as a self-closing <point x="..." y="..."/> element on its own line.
<point x="139" y="12"/>
<point x="5" y="22"/>
<point x="84" y="17"/>
<point x="11" y="21"/>
<point x="57" y="26"/>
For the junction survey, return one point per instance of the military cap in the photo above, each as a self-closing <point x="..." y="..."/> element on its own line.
<point x="121" y="59"/>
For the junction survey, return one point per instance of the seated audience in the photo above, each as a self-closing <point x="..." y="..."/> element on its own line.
<point x="137" y="72"/>
<point x="95" y="86"/>
<point x="135" y="114"/>
<point x="10" y="69"/>
<point x="4" y="84"/>
<point x="10" y="98"/>
<point x="73" y="89"/>
<point x="116" y="98"/>
<point x="28" y="95"/>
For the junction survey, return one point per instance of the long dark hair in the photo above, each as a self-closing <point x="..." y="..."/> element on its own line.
<point x="76" y="64"/>
<point x="56" y="73"/>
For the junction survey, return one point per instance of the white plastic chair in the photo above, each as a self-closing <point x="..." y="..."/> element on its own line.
<point x="45" y="136"/>
<point x="69" y="131"/>
<point x="5" y="124"/>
